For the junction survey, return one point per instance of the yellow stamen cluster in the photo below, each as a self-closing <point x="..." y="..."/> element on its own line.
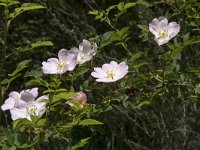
<point x="61" y="66"/>
<point x="31" y="109"/>
<point x="110" y="74"/>
<point x="163" y="33"/>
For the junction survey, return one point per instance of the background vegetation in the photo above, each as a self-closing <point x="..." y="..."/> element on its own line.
<point x="156" y="106"/>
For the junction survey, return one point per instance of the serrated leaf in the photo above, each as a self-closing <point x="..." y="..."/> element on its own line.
<point x="8" y="81"/>
<point x="36" y="82"/>
<point x="136" y="56"/>
<point x="82" y="143"/>
<point x="21" y="66"/>
<point x="24" y="7"/>
<point x="63" y="95"/>
<point x="90" y="122"/>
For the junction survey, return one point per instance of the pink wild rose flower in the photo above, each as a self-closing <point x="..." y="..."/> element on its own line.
<point x="110" y="72"/>
<point x="162" y="30"/>
<point x="66" y="62"/>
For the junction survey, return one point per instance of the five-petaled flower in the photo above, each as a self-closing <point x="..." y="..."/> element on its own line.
<point x="162" y="30"/>
<point x="66" y="62"/>
<point x="28" y="105"/>
<point x="85" y="52"/>
<point x="15" y="99"/>
<point x="110" y="72"/>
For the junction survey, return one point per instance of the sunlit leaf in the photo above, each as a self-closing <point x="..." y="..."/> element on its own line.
<point x="90" y="122"/>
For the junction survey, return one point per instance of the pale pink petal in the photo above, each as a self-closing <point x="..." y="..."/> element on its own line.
<point x="70" y="104"/>
<point x="40" y="103"/>
<point x="163" y="22"/>
<point x="44" y="97"/>
<point x="14" y="95"/>
<point x="62" y="54"/>
<point x="85" y="45"/>
<point x="41" y="111"/>
<point x="34" y="92"/>
<point x="105" y="80"/>
<point x="161" y="41"/>
<point x="27" y="97"/>
<point x="8" y="104"/>
<point x="74" y="50"/>
<point x="18" y="113"/>
<point x="174" y="29"/>
<point x="50" y="67"/>
<point x="114" y="65"/>
<point x="122" y="73"/>
<point x="72" y="62"/>
<point x="98" y="73"/>
<point x="20" y="103"/>
<point x="106" y="67"/>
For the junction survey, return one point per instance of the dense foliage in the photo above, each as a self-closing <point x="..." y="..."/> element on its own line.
<point x="156" y="105"/>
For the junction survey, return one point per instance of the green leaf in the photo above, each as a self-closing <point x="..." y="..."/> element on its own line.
<point x="90" y="122"/>
<point x="105" y="39"/>
<point x="41" y="43"/>
<point x="10" y="3"/>
<point x="70" y="125"/>
<point x="36" y="82"/>
<point x="2" y="4"/>
<point x="144" y="3"/>
<point x="82" y="143"/>
<point x="138" y="66"/>
<point x="8" y="81"/>
<point x="143" y="27"/>
<point x="120" y="6"/>
<point x="24" y="7"/>
<point x="34" y="73"/>
<point x="8" y="148"/>
<point x="129" y="5"/>
<point x="63" y="95"/>
<point x="93" y="12"/>
<point x="19" y="123"/>
<point x="136" y="56"/>
<point x="21" y="66"/>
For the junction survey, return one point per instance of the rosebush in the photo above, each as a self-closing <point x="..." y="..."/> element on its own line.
<point x="113" y="75"/>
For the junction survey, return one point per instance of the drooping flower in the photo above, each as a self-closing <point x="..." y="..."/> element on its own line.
<point x="162" y="30"/>
<point x="15" y="99"/>
<point x="81" y="98"/>
<point x="110" y="72"/>
<point x="85" y="52"/>
<point x="66" y="62"/>
<point x="31" y="107"/>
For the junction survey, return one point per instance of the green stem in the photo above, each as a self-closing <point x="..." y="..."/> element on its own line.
<point x="125" y="47"/>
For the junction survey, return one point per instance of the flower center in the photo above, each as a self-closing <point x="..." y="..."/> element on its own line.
<point x="111" y="74"/>
<point x="61" y="66"/>
<point x="31" y="109"/>
<point x="163" y="33"/>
